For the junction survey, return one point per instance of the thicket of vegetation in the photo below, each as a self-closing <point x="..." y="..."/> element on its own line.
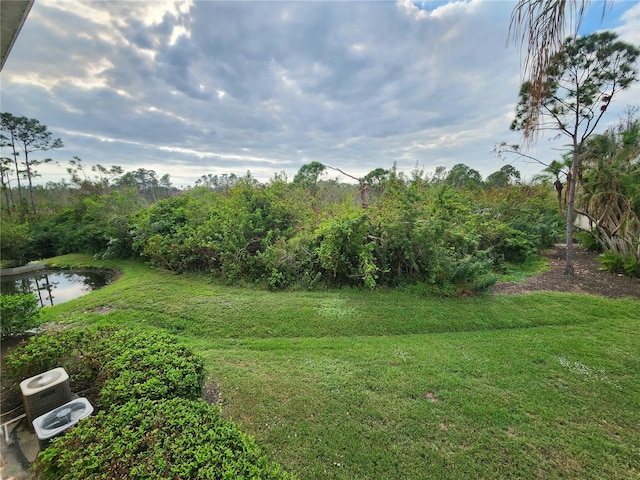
<point x="450" y="231"/>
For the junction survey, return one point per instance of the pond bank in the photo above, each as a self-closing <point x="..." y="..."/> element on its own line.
<point x="32" y="267"/>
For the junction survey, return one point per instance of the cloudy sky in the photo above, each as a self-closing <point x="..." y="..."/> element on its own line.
<point x="211" y="87"/>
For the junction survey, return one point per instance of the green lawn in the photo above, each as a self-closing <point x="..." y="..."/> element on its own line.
<point x="355" y="384"/>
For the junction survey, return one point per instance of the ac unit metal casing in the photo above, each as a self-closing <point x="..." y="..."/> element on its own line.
<point x="44" y="392"/>
<point x="61" y="418"/>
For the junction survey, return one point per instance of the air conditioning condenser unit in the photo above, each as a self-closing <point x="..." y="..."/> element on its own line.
<point x="44" y="392"/>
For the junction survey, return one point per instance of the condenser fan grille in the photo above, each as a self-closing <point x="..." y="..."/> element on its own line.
<point x="64" y="415"/>
<point x="57" y="421"/>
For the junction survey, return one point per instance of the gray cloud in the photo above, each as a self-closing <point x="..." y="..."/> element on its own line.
<point x="221" y="87"/>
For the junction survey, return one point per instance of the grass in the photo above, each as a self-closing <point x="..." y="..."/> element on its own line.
<point x="354" y="384"/>
<point x="520" y="272"/>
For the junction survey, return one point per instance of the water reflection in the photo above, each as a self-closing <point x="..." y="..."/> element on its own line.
<point x="55" y="286"/>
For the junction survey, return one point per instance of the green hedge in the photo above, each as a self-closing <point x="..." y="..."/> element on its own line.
<point x="151" y="421"/>
<point x="146" y="365"/>
<point x="116" y="366"/>
<point x="156" y="439"/>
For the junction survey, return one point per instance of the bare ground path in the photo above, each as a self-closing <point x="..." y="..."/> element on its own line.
<point x="588" y="278"/>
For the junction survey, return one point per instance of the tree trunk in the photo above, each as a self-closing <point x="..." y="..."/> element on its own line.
<point x="6" y="187"/>
<point x="15" y="160"/>
<point x="26" y="162"/>
<point x="575" y="167"/>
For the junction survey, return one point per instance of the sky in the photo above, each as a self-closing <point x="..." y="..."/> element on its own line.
<point x="213" y="87"/>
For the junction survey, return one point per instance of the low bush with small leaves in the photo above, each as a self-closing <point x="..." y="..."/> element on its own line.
<point x="151" y="421"/>
<point x="154" y="439"/>
<point x="152" y="366"/>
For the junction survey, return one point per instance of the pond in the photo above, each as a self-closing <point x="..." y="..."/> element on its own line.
<point x="55" y="286"/>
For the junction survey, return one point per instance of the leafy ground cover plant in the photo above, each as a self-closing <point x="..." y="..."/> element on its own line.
<point x="157" y="439"/>
<point x="19" y="313"/>
<point x="617" y="263"/>
<point x="151" y="421"/>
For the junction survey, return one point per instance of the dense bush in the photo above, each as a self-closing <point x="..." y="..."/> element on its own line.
<point x="15" y="242"/>
<point x="588" y="240"/>
<point x="528" y="209"/>
<point x="96" y="224"/>
<point x="19" y="313"/>
<point x="414" y="232"/>
<point x="157" y="439"/>
<point x="400" y="231"/>
<point x="151" y="422"/>
<point x="114" y="365"/>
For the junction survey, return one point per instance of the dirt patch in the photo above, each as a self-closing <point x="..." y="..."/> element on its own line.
<point x="211" y="394"/>
<point x="103" y="310"/>
<point x="588" y="278"/>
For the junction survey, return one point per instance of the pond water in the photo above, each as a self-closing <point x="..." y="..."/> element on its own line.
<point x="55" y="286"/>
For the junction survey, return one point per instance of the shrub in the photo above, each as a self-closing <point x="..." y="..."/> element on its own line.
<point x="151" y="366"/>
<point x="151" y="421"/>
<point x="615" y="262"/>
<point x="67" y="348"/>
<point x="114" y="365"/>
<point x="516" y="247"/>
<point x="588" y="240"/>
<point x="153" y="439"/>
<point x="19" y="313"/>
<point x="14" y="241"/>
<point x="70" y="348"/>
<point x="344" y="250"/>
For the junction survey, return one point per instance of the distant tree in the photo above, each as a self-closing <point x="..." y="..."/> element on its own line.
<point x="9" y="124"/>
<point x="165" y="183"/>
<point x="376" y="181"/>
<point x="581" y="81"/>
<point x="106" y="176"/>
<point x="439" y="175"/>
<point x="99" y="184"/>
<point x="5" y="177"/>
<point x="208" y="180"/>
<point x="309" y="174"/>
<point x="507" y="175"/>
<point x="217" y="183"/>
<point x="377" y="177"/>
<point x="143" y="180"/>
<point x="462" y="176"/>
<point x="28" y="135"/>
